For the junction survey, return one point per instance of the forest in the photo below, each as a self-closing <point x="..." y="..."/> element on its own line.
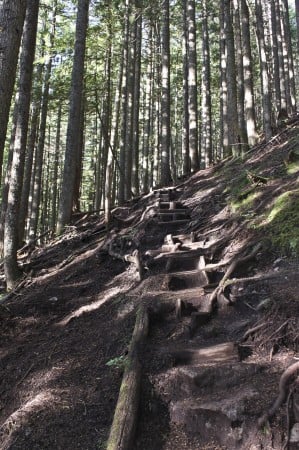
<point x="149" y="216"/>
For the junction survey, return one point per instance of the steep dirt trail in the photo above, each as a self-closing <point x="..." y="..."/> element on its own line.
<point x="201" y="387"/>
<point x="215" y="350"/>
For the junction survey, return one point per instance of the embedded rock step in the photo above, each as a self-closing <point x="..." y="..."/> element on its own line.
<point x="207" y="379"/>
<point x="223" y="418"/>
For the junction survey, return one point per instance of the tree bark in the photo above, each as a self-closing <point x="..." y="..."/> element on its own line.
<point x="266" y="97"/>
<point x="12" y="16"/>
<point x="192" y="86"/>
<point x="206" y="92"/>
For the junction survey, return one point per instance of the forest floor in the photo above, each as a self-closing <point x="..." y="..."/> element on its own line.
<point x="64" y="333"/>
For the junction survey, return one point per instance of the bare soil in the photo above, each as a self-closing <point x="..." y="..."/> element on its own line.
<point x="75" y="313"/>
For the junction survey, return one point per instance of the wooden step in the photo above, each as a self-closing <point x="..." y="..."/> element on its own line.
<point x="226" y="352"/>
<point x="174" y="222"/>
<point x="173" y="211"/>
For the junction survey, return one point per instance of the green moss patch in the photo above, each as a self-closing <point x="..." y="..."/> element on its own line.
<point x="282" y="222"/>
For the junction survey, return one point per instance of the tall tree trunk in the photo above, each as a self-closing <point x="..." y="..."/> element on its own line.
<point x="29" y="163"/>
<point x="124" y="109"/>
<point x="165" y="100"/>
<point x="231" y="76"/>
<point x="206" y="92"/>
<point x="147" y="115"/>
<point x="37" y="183"/>
<point x="240" y="78"/>
<point x="275" y="58"/>
<point x="12" y="16"/>
<point x="136" y="106"/>
<point x="185" y="130"/>
<point x="73" y="130"/>
<point x="224" y="125"/>
<point x="289" y="57"/>
<point x="55" y="169"/>
<point x="282" y="75"/>
<point x="266" y="98"/>
<point x="297" y="23"/>
<point x="11" y="227"/>
<point x="192" y="86"/>
<point x="249" y="106"/>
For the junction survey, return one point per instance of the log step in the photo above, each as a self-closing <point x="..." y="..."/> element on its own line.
<point x="173" y="211"/>
<point x="169" y="205"/>
<point x="215" y="354"/>
<point x="174" y="222"/>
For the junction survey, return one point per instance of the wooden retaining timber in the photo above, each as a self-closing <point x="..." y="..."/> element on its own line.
<point x="125" y="417"/>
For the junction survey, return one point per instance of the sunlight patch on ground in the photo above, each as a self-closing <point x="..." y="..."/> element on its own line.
<point x="93" y="306"/>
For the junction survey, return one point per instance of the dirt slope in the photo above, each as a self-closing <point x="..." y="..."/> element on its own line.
<point x="211" y="369"/>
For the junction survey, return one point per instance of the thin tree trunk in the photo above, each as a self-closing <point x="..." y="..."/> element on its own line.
<point x="240" y="78"/>
<point x="206" y="92"/>
<point x="275" y="58"/>
<point x="124" y="109"/>
<point x="37" y="184"/>
<point x="224" y="126"/>
<point x="234" y="135"/>
<point x="266" y="98"/>
<point x="55" y="169"/>
<point x="165" y="100"/>
<point x="29" y="164"/>
<point x="136" y="106"/>
<point x="192" y="87"/>
<point x="289" y="57"/>
<point x="185" y="130"/>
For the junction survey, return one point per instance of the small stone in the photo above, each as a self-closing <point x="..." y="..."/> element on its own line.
<point x="53" y="299"/>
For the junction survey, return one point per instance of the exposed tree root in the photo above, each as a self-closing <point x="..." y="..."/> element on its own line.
<point x="286" y="379"/>
<point x="232" y="267"/>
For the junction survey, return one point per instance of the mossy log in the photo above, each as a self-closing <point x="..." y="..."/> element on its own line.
<point x="125" y="417"/>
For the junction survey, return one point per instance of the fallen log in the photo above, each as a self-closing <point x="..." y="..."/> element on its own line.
<point x="125" y="417"/>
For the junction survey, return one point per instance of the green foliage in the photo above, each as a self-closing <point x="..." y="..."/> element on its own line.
<point x="119" y="362"/>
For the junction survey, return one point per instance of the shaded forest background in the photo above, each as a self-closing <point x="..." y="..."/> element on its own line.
<point x="104" y="100"/>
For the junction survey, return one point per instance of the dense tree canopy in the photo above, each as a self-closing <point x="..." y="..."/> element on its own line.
<point x="114" y="98"/>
